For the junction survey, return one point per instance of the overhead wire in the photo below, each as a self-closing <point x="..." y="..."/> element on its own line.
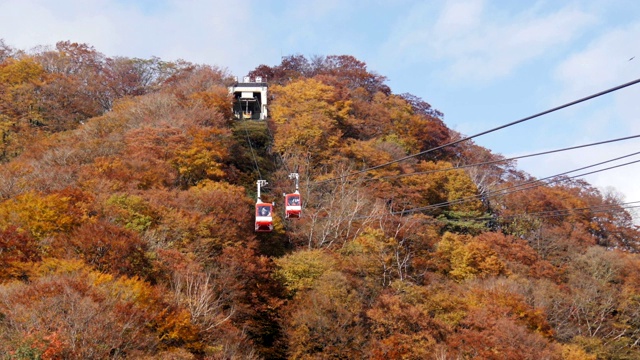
<point x="518" y="187"/>
<point x="502" y="160"/>
<point x="564" y="212"/>
<point x="521" y="187"/>
<point x="548" y="213"/>
<point x="255" y="161"/>
<point x="279" y="155"/>
<point x="586" y="98"/>
<point x="590" y="97"/>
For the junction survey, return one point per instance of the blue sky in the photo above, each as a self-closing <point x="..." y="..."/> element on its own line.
<point x="482" y="63"/>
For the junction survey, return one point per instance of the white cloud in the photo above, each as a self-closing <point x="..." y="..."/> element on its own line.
<point x="607" y="61"/>
<point x="211" y="32"/>
<point x="603" y="63"/>
<point x="481" y="43"/>
<point x="458" y="18"/>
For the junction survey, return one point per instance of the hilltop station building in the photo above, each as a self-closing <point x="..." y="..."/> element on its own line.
<point x="250" y="98"/>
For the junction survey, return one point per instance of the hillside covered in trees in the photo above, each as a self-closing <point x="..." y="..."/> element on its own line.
<point x="127" y="194"/>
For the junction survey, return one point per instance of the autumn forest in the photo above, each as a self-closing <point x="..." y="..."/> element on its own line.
<point x="127" y="195"/>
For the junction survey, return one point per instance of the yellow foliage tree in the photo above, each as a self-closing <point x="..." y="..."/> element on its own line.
<point x="300" y="270"/>
<point x="307" y="114"/>
<point x="435" y="185"/>
<point x="132" y="211"/>
<point x="202" y="158"/>
<point x="40" y="215"/>
<point x="15" y="72"/>
<point x="575" y="352"/>
<point x="467" y="258"/>
<point x="378" y="258"/>
<point x="18" y="103"/>
<point x="396" y="118"/>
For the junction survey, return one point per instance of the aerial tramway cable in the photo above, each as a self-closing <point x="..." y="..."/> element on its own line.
<point x="255" y="161"/>
<point x="590" y="97"/>
<point x="564" y="212"/>
<point x="521" y="187"/>
<point x="263" y="211"/>
<point x="502" y="160"/>
<point x="272" y="138"/>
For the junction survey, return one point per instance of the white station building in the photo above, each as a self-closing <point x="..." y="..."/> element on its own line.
<point x="250" y="98"/>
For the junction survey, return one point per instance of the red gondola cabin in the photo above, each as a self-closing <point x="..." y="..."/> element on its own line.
<point x="292" y="206"/>
<point x="264" y="219"/>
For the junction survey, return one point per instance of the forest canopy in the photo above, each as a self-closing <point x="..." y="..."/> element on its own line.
<point x="127" y="193"/>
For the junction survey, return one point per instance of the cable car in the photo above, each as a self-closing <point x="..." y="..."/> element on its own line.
<point x="292" y="202"/>
<point x="264" y="211"/>
<point x="292" y="206"/>
<point x="264" y="219"/>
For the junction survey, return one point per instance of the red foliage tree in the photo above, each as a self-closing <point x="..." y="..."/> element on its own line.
<point x="17" y="250"/>
<point x="107" y="248"/>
